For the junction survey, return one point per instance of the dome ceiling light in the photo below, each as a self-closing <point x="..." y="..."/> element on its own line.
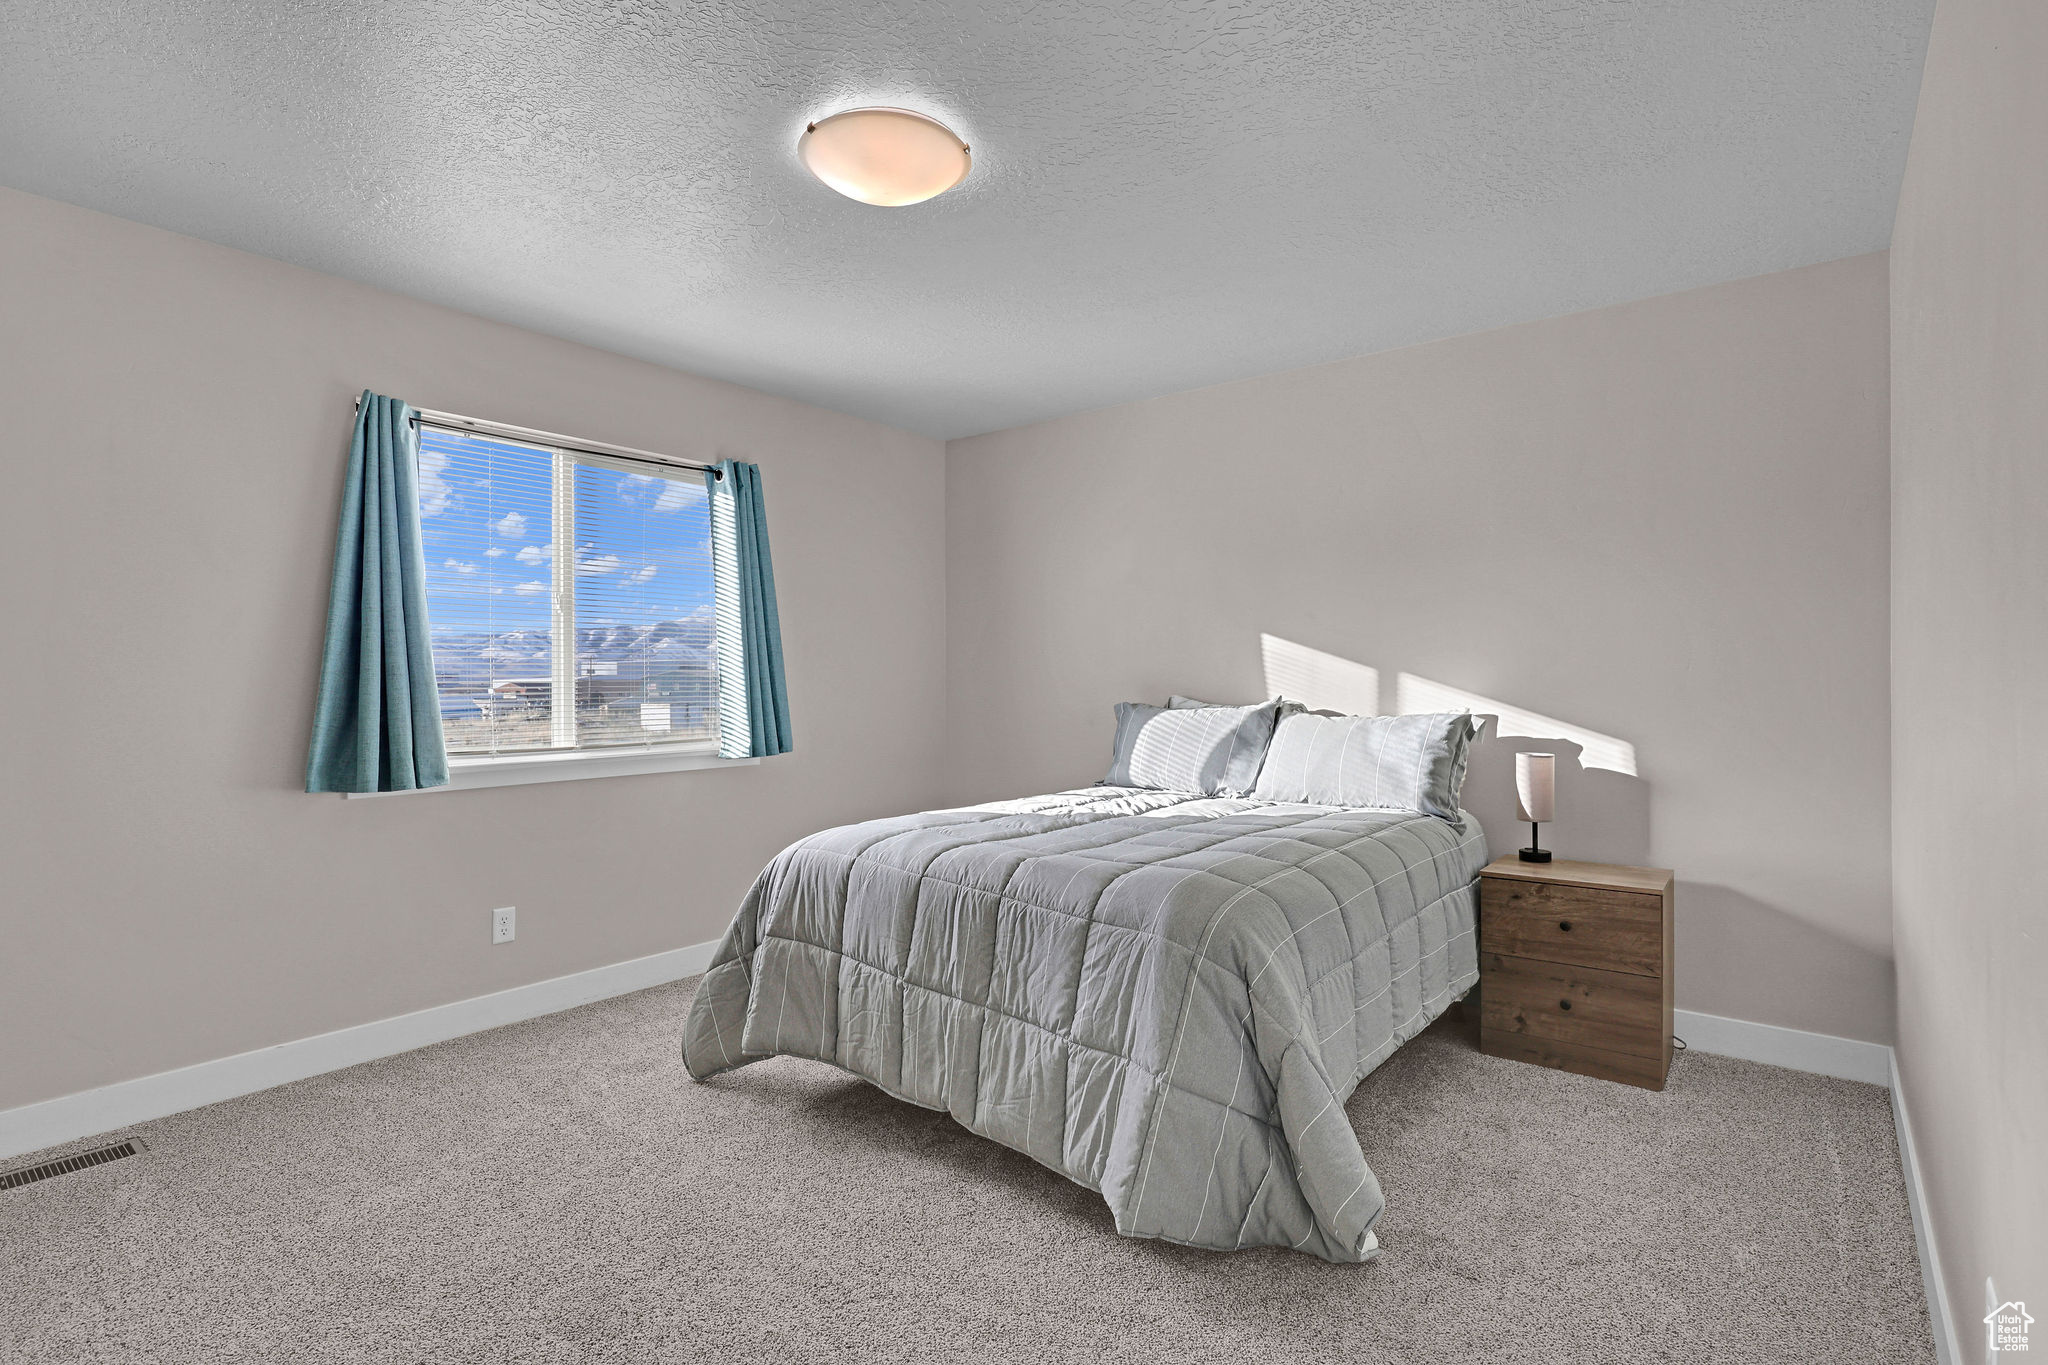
<point x="888" y="157"/>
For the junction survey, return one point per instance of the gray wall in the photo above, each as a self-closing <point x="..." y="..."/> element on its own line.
<point x="1664" y="522"/>
<point x="177" y="422"/>
<point x="1970" y="646"/>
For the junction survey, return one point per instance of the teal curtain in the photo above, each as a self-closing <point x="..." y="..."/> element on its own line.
<point x="753" y="702"/>
<point x="377" y="724"/>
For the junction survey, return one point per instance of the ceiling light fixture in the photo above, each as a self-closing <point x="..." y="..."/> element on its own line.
<point x="889" y="157"/>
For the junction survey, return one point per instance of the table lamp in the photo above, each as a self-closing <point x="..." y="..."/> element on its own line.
<point x="1535" y="798"/>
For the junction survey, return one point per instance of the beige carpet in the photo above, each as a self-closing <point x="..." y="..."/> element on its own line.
<point x="560" y="1191"/>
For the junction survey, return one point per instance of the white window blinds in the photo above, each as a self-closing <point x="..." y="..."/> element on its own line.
<point x="569" y="598"/>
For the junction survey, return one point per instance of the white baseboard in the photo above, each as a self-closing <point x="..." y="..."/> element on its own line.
<point x="1823" y="1054"/>
<point x="1947" y="1350"/>
<point x="33" y="1127"/>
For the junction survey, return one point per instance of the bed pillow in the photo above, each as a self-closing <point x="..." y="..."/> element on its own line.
<point x="1384" y="762"/>
<point x="1177" y="702"/>
<point x="1209" y="750"/>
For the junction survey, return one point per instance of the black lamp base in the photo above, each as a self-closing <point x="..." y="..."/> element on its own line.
<point x="1535" y="855"/>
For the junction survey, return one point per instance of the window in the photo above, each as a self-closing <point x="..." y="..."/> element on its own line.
<point x="569" y="599"/>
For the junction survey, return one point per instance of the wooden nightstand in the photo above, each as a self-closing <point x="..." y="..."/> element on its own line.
<point x="1575" y="967"/>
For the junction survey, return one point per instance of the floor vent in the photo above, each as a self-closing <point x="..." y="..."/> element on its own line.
<point x="65" y="1165"/>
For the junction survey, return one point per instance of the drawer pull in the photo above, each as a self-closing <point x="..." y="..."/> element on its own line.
<point x="1564" y="926"/>
<point x="1564" y="1004"/>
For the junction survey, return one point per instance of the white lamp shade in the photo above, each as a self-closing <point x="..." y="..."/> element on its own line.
<point x="1535" y="787"/>
<point x="889" y="157"/>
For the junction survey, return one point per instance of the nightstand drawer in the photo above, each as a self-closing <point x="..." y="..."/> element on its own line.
<point x="1582" y="1006"/>
<point x="1617" y="931"/>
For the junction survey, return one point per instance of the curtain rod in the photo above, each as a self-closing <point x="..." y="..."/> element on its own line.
<point x="455" y="421"/>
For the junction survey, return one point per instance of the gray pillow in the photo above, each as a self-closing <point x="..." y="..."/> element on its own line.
<point x="1177" y="702"/>
<point x="1383" y="762"/>
<point x="1210" y="750"/>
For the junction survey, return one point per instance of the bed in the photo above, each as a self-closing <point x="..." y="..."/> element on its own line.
<point x="1163" y="996"/>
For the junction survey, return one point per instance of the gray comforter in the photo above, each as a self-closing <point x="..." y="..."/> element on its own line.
<point x="1166" y="998"/>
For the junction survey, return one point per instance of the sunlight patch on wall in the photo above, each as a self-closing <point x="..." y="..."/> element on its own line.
<point x="1415" y="694"/>
<point x="1321" y="682"/>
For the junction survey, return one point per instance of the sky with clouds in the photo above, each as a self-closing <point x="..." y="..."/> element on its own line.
<point x="642" y="543"/>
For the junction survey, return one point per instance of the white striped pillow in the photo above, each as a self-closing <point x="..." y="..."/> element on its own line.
<point x="1381" y="762"/>
<point x="1210" y="750"/>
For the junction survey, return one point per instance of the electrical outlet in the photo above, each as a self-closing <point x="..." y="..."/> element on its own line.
<point x="502" y="923"/>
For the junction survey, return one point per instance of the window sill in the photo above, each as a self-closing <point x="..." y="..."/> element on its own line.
<point x="518" y="769"/>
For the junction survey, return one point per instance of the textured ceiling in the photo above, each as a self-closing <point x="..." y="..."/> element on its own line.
<point x="1164" y="194"/>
